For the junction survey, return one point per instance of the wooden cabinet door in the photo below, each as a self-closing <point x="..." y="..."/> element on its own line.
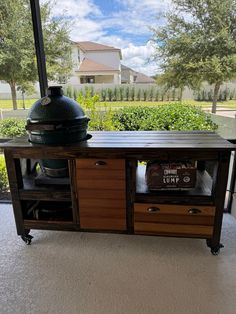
<point x="101" y="188"/>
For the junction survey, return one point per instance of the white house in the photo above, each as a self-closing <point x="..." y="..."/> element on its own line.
<point x="95" y="63"/>
<point x="129" y="76"/>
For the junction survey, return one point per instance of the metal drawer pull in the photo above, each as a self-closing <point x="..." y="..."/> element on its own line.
<point x="194" y="211"/>
<point x="100" y="163"/>
<point x="153" y="209"/>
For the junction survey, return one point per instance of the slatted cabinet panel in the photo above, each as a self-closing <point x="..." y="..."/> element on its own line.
<point x="101" y="189"/>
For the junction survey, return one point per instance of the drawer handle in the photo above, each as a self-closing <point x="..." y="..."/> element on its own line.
<point x="100" y="163"/>
<point x="153" y="209"/>
<point x="194" y="211"/>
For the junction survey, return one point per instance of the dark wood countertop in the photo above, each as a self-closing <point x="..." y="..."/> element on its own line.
<point x="126" y="143"/>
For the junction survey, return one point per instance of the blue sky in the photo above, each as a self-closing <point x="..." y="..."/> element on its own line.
<point x="122" y="24"/>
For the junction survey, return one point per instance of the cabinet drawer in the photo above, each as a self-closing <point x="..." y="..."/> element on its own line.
<point x="173" y="219"/>
<point x="100" y="164"/>
<point x="173" y="229"/>
<point x="153" y="210"/>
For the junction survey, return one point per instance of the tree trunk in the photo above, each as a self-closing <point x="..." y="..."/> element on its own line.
<point x="13" y="94"/>
<point x="181" y="94"/>
<point x="23" y="100"/>
<point x="215" y="97"/>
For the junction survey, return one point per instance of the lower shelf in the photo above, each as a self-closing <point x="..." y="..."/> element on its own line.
<point x="48" y="211"/>
<point x="50" y="225"/>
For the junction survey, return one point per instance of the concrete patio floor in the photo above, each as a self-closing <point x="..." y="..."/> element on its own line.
<point x="88" y="273"/>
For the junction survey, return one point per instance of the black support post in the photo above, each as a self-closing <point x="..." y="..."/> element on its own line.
<point x="232" y="181"/>
<point x="39" y="46"/>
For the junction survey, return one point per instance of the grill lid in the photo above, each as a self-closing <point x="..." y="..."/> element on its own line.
<point x="55" y="108"/>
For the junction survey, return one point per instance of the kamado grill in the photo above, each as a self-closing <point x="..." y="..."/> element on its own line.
<point x="56" y="119"/>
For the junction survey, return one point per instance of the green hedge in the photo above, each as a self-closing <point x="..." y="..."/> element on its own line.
<point x="174" y="116"/>
<point x="207" y="95"/>
<point x="12" y="127"/>
<point x="127" y="92"/>
<point x="3" y="174"/>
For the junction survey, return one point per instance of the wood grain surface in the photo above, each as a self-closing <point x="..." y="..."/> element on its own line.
<point x="102" y="194"/>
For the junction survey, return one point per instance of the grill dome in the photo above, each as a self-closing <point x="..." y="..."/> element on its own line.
<point x="56" y="119"/>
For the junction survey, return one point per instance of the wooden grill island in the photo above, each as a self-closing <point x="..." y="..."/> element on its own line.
<point x="106" y="190"/>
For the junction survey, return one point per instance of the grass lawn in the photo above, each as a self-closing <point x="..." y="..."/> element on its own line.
<point x="7" y="104"/>
<point x="231" y="104"/>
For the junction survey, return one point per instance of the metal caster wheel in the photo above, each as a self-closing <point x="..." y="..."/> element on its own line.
<point x="27" y="238"/>
<point x="216" y="250"/>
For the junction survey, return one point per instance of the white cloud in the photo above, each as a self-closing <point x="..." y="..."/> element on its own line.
<point x="137" y="58"/>
<point x="146" y="4"/>
<point x="86" y="29"/>
<point x="133" y="19"/>
<point x="75" y="8"/>
<point x="138" y="15"/>
<point x="114" y="41"/>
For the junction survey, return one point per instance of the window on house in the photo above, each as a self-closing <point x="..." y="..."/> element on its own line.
<point x="87" y="79"/>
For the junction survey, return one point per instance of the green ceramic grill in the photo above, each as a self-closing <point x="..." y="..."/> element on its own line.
<point x="56" y="119"/>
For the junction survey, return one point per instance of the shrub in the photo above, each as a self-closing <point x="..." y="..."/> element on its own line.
<point x="3" y="174"/>
<point x="109" y="94"/>
<point x="226" y="93"/>
<point x="210" y="95"/>
<point x="69" y="91"/>
<point x="174" y="116"/>
<point x="131" y="94"/>
<point x="121" y="93"/>
<point x="145" y="95"/>
<point x="151" y="93"/>
<point x="130" y="118"/>
<point x="115" y="94"/>
<point x="163" y="95"/>
<point x="126" y="93"/>
<point x="102" y="95"/>
<point x="101" y="118"/>
<point x="157" y="95"/>
<point x="75" y="94"/>
<point x="12" y="127"/>
<point x="173" y="94"/>
<point x="232" y="94"/>
<point x="137" y="94"/>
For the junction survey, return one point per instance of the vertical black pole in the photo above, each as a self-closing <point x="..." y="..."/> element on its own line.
<point x="39" y="47"/>
<point x="232" y="182"/>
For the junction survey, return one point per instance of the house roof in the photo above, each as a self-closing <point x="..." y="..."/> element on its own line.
<point x="92" y="46"/>
<point x="88" y="65"/>
<point x="124" y="67"/>
<point x="142" y="78"/>
<point x="138" y="77"/>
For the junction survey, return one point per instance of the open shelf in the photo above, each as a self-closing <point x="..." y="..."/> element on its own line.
<point x="47" y="211"/>
<point x="31" y="191"/>
<point x="201" y="192"/>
